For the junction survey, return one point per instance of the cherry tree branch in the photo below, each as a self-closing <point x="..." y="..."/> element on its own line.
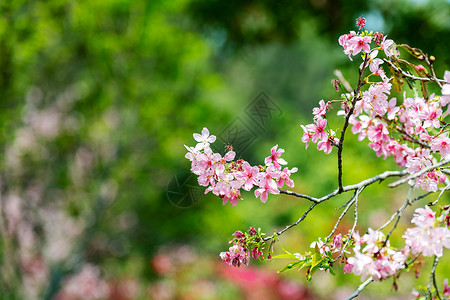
<point x="402" y="208"/>
<point x="433" y="279"/>
<point x="413" y="77"/>
<point x="360" y="288"/>
<point x="354" y="222"/>
<point x="347" y="119"/>
<point x="366" y="182"/>
<point x="347" y="207"/>
<point x="293" y="224"/>
<point x="417" y="174"/>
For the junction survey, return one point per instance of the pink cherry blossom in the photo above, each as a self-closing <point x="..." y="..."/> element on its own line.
<point x="427" y="238"/>
<point x="325" y="146"/>
<point x="358" y="43"/>
<point x="446" y="290"/>
<point x="392" y="109"/>
<point x="441" y="144"/>
<point x="236" y="256"/>
<point x="265" y="191"/>
<point x="307" y="133"/>
<point x="319" y="130"/>
<point x="389" y="47"/>
<point x="204" y="139"/>
<point x="285" y="178"/>
<point x="424" y="217"/>
<point x="274" y="158"/>
<point x="248" y="175"/>
<point x="321" y="110"/>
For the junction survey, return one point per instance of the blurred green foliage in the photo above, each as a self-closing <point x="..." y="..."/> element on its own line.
<point x="98" y="98"/>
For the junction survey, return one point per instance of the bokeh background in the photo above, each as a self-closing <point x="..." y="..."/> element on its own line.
<point x="98" y="99"/>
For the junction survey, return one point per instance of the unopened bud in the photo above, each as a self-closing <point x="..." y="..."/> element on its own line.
<point x="335" y="83"/>
<point x="432" y="59"/>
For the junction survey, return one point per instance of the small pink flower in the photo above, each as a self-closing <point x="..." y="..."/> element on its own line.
<point x="442" y="145"/>
<point x="446" y="290"/>
<point x="322" y="109"/>
<point x="265" y="191"/>
<point x="325" y="145"/>
<point x="307" y="134"/>
<point x="284" y="178"/>
<point x="248" y="175"/>
<point x="319" y="130"/>
<point x="274" y="158"/>
<point x="392" y="109"/>
<point x="348" y="268"/>
<point x="204" y="139"/>
<point x="389" y="47"/>
<point x="424" y="217"/>
<point x="358" y="43"/>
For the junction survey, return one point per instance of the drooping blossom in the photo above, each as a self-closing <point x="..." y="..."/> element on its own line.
<point x="428" y="237"/>
<point x="274" y="158"/>
<point x="204" y="139"/>
<point x="225" y="177"/>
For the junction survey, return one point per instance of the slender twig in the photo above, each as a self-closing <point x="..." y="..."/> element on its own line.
<point x="410" y="76"/>
<point x="346" y="122"/>
<point x="437" y="199"/>
<point x="293" y="224"/>
<point x="360" y="288"/>
<point x="399" y="215"/>
<point x="348" y="205"/>
<point x="402" y="208"/>
<point x="433" y="279"/>
<point x="433" y="74"/>
<point x="417" y="174"/>
<point x="354" y="223"/>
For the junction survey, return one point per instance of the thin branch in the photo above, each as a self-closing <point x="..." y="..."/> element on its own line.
<point x="433" y="279"/>
<point x="399" y="215"/>
<point x="410" y="76"/>
<point x="365" y="182"/>
<point x="402" y="208"/>
<point x="354" y="223"/>
<point x="437" y="199"/>
<point x="346" y="122"/>
<point x="293" y="224"/>
<point x="417" y="174"/>
<point x="360" y="288"/>
<point x="307" y="197"/>
<point x="348" y="205"/>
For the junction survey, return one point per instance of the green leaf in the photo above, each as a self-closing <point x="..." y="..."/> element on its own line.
<point x="286" y="255"/>
<point x="316" y="259"/>
<point x="290" y="266"/>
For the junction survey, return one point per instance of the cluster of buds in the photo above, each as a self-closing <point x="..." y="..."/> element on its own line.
<point x="224" y="177"/>
<point x="244" y="246"/>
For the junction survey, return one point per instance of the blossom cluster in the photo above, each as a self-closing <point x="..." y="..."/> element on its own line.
<point x="224" y="177"/>
<point x="373" y="257"/>
<point x="430" y="235"/>
<point x="239" y="253"/>
<point x="411" y="130"/>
